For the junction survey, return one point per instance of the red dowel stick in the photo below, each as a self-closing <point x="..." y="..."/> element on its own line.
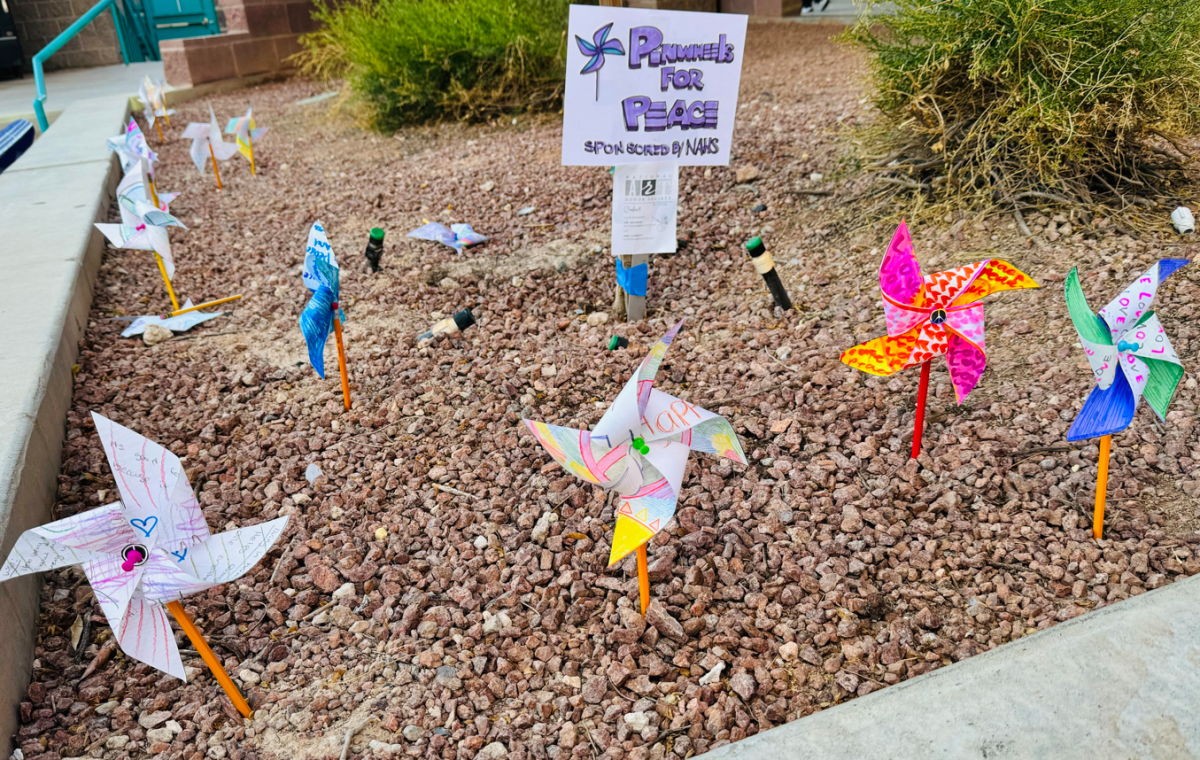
<point x="919" y="422"/>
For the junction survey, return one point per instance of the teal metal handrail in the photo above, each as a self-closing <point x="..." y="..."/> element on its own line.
<point x="39" y="77"/>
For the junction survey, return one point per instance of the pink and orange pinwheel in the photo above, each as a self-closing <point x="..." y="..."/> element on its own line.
<point x="931" y="315"/>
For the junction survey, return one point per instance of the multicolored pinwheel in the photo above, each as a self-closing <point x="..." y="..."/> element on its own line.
<point x="131" y="147"/>
<point x="932" y="315"/>
<point x="600" y="46"/>
<point x="1126" y="334"/>
<point x="322" y="313"/>
<point x="148" y="550"/>
<point x="640" y="449"/>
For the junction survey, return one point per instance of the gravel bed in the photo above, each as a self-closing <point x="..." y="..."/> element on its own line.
<point x="482" y="621"/>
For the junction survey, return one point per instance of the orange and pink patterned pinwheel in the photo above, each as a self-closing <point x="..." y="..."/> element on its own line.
<point x="931" y="315"/>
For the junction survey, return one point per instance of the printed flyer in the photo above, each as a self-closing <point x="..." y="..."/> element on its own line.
<point x="645" y="202"/>
<point x="647" y="86"/>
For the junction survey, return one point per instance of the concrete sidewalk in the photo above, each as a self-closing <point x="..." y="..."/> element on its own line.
<point x="49" y="199"/>
<point x="1120" y="682"/>
<point x="66" y="87"/>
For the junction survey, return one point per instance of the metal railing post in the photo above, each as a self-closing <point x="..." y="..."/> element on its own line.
<point x="39" y="77"/>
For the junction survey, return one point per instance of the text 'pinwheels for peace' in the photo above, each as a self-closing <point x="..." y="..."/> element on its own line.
<point x="933" y="315"/>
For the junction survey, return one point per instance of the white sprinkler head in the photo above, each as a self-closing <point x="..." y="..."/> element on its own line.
<point x="1183" y="220"/>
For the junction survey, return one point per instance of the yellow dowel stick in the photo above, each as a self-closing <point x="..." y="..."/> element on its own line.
<point x="337" y="331"/>
<point x="209" y="658"/>
<point x="643" y="577"/>
<point x="159" y="128"/>
<point x="154" y="193"/>
<point x="250" y="144"/>
<point x="217" y="302"/>
<point x="162" y="268"/>
<point x="1101" y="487"/>
<point x="215" y="170"/>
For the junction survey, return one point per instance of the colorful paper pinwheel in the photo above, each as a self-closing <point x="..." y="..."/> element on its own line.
<point x="1125" y="334"/>
<point x="150" y="549"/>
<point x="600" y="46"/>
<point x="207" y="143"/>
<point x="144" y="222"/>
<point x="246" y="133"/>
<point x="932" y="315"/>
<point x="131" y="148"/>
<point x="640" y="449"/>
<point x="457" y="236"/>
<point x="154" y="103"/>
<point x="322" y="313"/>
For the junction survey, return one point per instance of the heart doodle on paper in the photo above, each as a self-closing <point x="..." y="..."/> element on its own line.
<point x="146" y="526"/>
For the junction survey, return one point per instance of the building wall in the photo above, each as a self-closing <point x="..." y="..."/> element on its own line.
<point x="40" y="21"/>
<point x="259" y="36"/>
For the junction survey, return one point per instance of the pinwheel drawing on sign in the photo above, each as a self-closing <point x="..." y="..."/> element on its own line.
<point x="322" y="313"/>
<point x="932" y="315"/>
<point x="144" y="222"/>
<point x="154" y="103"/>
<point x="150" y="549"/>
<point x="246" y="133"/>
<point x="640" y="449"/>
<point x="1126" y="334"/>
<point x="457" y="236"/>
<point x="131" y="148"/>
<point x="207" y="143"/>
<point x="600" y="46"/>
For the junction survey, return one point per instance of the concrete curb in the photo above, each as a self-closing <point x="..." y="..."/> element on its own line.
<point x="1120" y="682"/>
<point x="51" y="254"/>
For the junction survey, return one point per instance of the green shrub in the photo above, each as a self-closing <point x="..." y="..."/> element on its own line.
<point x="1004" y="99"/>
<point x="411" y="61"/>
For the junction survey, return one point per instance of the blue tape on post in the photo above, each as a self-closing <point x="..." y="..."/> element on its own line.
<point x="632" y="280"/>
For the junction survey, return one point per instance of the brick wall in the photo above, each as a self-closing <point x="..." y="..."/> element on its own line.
<point x="40" y="21"/>
<point x="259" y="37"/>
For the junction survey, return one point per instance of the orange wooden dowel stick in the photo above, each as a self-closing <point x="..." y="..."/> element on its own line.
<point x="1101" y="487"/>
<point x="216" y="171"/>
<point x="337" y="331"/>
<point x="197" y="307"/>
<point x="159" y="128"/>
<point x="209" y="658"/>
<point x="643" y="577"/>
<point x="250" y="145"/>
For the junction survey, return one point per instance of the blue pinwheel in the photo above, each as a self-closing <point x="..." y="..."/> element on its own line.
<point x="596" y="49"/>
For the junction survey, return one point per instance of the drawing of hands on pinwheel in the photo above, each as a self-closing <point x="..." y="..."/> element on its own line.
<point x="640" y="449"/>
<point x="1126" y="334"/>
<point x="931" y="315"/>
<point x="150" y="549"/>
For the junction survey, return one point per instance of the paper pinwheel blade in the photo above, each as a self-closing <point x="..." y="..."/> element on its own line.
<point x="1129" y="352"/>
<point x="933" y="315"/>
<point x="457" y="236"/>
<point x="640" y="448"/>
<point x="150" y="548"/>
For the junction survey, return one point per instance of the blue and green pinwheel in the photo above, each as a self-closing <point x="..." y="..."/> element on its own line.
<point x="1129" y="353"/>
<point x="596" y="50"/>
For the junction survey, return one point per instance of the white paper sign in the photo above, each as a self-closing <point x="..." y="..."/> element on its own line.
<point x="645" y="201"/>
<point x="651" y="85"/>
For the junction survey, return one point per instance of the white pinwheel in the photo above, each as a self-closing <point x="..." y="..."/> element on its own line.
<point x="144" y="217"/>
<point x="207" y="142"/>
<point x="151" y="548"/>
